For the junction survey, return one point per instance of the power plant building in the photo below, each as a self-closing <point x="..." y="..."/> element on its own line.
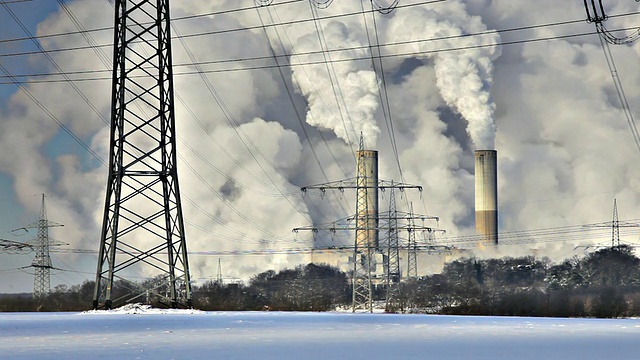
<point x="486" y="195"/>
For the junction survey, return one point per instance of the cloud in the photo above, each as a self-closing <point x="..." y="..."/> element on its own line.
<point x="564" y="147"/>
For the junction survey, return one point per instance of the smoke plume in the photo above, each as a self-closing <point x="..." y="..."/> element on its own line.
<point x="565" y="147"/>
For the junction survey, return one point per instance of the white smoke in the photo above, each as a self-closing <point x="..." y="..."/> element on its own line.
<point x="341" y="89"/>
<point x="565" y="147"/>
<point x="463" y="63"/>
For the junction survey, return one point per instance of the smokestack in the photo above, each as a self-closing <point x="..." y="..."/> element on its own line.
<point x="367" y="199"/>
<point x="486" y="176"/>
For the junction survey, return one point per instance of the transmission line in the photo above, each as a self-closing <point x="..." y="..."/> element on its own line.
<point x="596" y="14"/>
<point x="210" y="14"/>
<point x="218" y="32"/>
<point x="291" y="65"/>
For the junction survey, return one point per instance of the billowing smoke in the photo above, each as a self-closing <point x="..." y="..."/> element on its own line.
<point x="463" y="63"/>
<point x="565" y="147"/>
<point x="341" y="89"/>
<point x="343" y="92"/>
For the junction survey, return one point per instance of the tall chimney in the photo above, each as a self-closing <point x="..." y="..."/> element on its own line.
<point x="367" y="193"/>
<point x="486" y="178"/>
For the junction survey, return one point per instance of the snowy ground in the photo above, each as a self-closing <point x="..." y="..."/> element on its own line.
<point x="153" y="334"/>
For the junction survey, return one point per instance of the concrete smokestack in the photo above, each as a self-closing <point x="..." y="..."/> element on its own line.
<point x="486" y="178"/>
<point x="367" y="199"/>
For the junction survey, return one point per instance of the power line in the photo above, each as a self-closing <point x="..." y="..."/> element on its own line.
<point x="54" y="118"/>
<point x="293" y="104"/>
<point x="214" y="13"/>
<point x="103" y="57"/>
<point x="6" y="2"/>
<point x="243" y="137"/>
<point x="291" y="65"/>
<point x="218" y="32"/>
<point x="363" y="58"/>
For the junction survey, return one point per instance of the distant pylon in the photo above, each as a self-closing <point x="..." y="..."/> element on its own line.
<point x="367" y="223"/>
<point x="143" y="227"/>
<point x="615" y="226"/>
<point x="412" y="249"/>
<point x="393" y="258"/>
<point x="42" y="261"/>
<point x="219" y="276"/>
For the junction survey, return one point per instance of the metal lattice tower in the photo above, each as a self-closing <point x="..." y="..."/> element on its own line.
<point x="615" y="226"/>
<point x="412" y="249"/>
<point x="42" y="260"/>
<point x="367" y="223"/>
<point x="393" y="256"/>
<point x="143" y="228"/>
<point x="219" y="276"/>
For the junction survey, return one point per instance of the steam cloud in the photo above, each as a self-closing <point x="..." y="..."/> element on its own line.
<point x="565" y="147"/>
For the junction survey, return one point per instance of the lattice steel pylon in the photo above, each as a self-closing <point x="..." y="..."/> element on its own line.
<point x="42" y="260"/>
<point x="143" y="227"/>
<point x="393" y="274"/>
<point x="615" y="225"/>
<point x="412" y="249"/>
<point x="367" y="223"/>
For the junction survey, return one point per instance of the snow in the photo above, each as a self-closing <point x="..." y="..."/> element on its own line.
<point x="145" y="333"/>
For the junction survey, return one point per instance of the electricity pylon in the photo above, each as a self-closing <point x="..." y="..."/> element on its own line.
<point x="615" y="226"/>
<point x="219" y="275"/>
<point x="367" y="222"/>
<point x="391" y="224"/>
<point x="143" y="228"/>
<point x="394" y="289"/>
<point x="42" y="260"/>
<point x="412" y="250"/>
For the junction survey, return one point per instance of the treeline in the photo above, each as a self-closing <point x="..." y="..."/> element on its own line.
<point x="305" y="288"/>
<point x="605" y="283"/>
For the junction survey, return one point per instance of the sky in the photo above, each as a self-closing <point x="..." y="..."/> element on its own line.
<point x="503" y="74"/>
<point x="167" y="334"/>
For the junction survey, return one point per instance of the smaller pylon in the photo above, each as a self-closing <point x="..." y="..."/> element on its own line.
<point x="615" y="225"/>
<point x="42" y="261"/>
<point x="219" y="276"/>
<point x="393" y="276"/>
<point x="412" y="249"/>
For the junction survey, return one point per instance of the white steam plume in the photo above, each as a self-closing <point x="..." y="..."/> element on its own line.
<point x="556" y="109"/>
<point x="463" y="70"/>
<point x="342" y="92"/>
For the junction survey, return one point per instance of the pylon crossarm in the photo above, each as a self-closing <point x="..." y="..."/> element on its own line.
<point x="14" y="247"/>
<point x="352" y="183"/>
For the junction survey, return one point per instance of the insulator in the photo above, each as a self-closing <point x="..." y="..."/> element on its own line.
<point x="385" y="9"/>
<point x="595" y="11"/>
<point x="321" y="4"/>
<point x="263" y="2"/>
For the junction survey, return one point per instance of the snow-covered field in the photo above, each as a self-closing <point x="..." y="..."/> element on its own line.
<point x="154" y="334"/>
